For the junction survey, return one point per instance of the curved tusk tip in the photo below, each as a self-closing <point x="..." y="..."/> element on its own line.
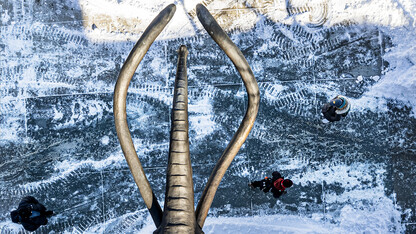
<point x="171" y="7"/>
<point x="199" y="7"/>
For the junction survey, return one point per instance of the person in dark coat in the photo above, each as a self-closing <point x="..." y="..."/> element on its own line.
<point x="277" y="184"/>
<point x="31" y="214"/>
<point x="336" y="108"/>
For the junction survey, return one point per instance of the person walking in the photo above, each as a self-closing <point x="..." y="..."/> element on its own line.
<point x="277" y="184"/>
<point x="31" y="214"/>
<point x="336" y="108"/>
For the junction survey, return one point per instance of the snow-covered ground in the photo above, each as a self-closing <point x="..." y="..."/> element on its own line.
<point x="58" y="68"/>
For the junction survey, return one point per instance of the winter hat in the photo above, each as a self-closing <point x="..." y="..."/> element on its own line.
<point x="287" y="183"/>
<point x="336" y="102"/>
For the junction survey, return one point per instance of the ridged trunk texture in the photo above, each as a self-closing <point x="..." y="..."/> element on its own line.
<point x="179" y="211"/>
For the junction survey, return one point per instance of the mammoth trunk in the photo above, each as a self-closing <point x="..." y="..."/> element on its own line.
<point x="179" y="211"/>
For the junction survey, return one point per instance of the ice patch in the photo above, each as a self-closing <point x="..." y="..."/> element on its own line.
<point x="105" y="140"/>
<point x="382" y="217"/>
<point x="399" y="82"/>
<point x="377" y="220"/>
<point x="67" y="167"/>
<point x="200" y="118"/>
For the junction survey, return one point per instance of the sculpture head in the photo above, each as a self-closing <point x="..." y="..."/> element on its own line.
<point x="179" y="214"/>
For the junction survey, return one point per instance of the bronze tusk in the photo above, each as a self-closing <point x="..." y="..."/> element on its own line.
<point x="120" y="115"/>
<point x="239" y="61"/>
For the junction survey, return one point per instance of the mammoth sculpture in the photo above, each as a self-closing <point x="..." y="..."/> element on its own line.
<point x="179" y="214"/>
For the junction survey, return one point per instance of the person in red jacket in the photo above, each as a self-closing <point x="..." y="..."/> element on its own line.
<point x="277" y="184"/>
